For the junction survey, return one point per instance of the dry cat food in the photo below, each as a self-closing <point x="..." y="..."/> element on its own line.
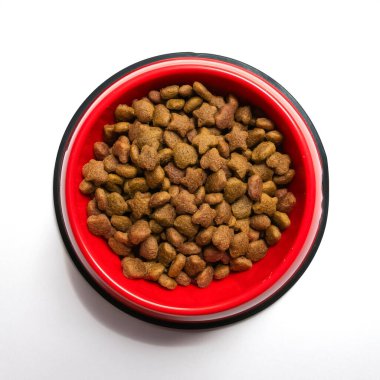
<point x="188" y="186"/>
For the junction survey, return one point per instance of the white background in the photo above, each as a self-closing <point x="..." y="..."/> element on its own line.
<point x="53" y="54"/>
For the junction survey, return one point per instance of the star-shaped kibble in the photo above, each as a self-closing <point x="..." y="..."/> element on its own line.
<point x="212" y="160"/>
<point x="181" y="124"/>
<point x="266" y="205"/>
<point x="205" y="115"/>
<point x="205" y="140"/>
<point x="139" y="204"/>
<point x="94" y="171"/>
<point x="237" y="138"/>
<point x="238" y="164"/>
<point x="184" y="202"/>
<point x="204" y="216"/>
<point x="194" y="179"/>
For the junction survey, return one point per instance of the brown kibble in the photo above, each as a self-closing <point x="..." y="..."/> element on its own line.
<point x="257" y="250"/>
<point x="132" y="186"/>
<point x="286" y="201"/>
<point x="171" y="139"/>
<point x="203" y="280"/>
<point x="86" y="187"/>
<point x="223" y="147"/>
<point x="122" y="237"/>
<point x="174" y="237"/>
<point x="115" y="179"/>
<point x="242" y="208"/>
<point x="167" y="282"/>
<point x="175" y="104"/>
<point x="266" y="205"/>
<point x="212" y="160"/>
<point x="148" y="158"/>
<point x="94" y="172"/>
<point x="193" y="179"/>
<point x="269" y="187"/>
<point x="240" y="264"/>
<point x="284" y="179"/>
<point x="92" y="208"/>
<point x="200" y="195"/>
<point x="237" y="138"/>
<point x="272" y="235"/>
<point x="242" y="225"/>
<point x="238" y="164"/>
<point x="113" y="188"/>
<point x="234" y="189"/>
<point x="147" y="135"/>
<point x="263" y="171"/>
<point x="181" y="124"/>
<point x="204" y="237"/>
<point x="223" y="213"/>
<point x="184" y="202"/>
<point x="161" y="116"/>
<point x="260" y="222"/>
<point x="281" y="220"/>
<point x="149" y="248"/>
<point x="184" y="155"/>
<point x="255" y="187"/>
<point x="121" y="127"/>
<point x="189" y="248"/>
<point x="173" y="190"/>
<point x="274" y="136"/>
<point x="214" y="198"/>
<point x="194" y="265"/>
<point x="185" y="91"/>
<point x="109" y="134"/>
<point x="138" y="232"/>
<point x="263" y="151"/>
<point x="253" y="235"/>
<point x="165" y="186"/>
<point x="121" y="223"/>
<point x="221" y="271"/>
<point x="119" y="248"/>
<point x="133" y="267"/>
<point x="279" y="162"/>
<point x="204" y="216"/>
<point x="155" y="177"/>
<point x="101" y="198"/>
<point x="155" y="227"/>
<point x="177" y="265"/>
<point x="264" y="123"/>
<point x="101" y="150"/>
<point x="165" y="215"/>
<point x="116" y="204"/>
<point x="144" y="110"/>
<point x="216" y="182"/>
<point x="192" y="104"/>
<point x="212" y="254"/>
<point x="121" y="149"/>
<point x="255" y="136"/>
<point x="154" y="96"/>
<point x="159" y="199"/>
<point x="174" y="174"/>
<point x="153" y="271"/>
<point x="185" y="226"/>
<point x="139" y="204"/>
<point x="165" y="155"/>
<point x="166" y="253"/>
<point x="169" y="92"/>
<point x="239" y="245"/>
<point x="202" y="91"/>
<point x="110" y="163"/>
<point x="222" y="237"/>
<point x="224" y="119"/>
<point x="124" y="113"/>
<point x="243" y="115"/>
<point x="204" y="140"/>
<point x="183" y="279"/>
<point x="205" y="115"/>
<point x="100" y="225"/>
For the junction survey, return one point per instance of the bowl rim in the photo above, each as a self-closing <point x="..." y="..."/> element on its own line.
<point x="86" y="274"/>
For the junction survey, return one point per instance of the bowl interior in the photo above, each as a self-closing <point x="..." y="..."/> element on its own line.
<point x="238" y="287"/>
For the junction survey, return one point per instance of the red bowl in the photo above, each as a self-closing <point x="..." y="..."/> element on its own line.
<point x="241" y="294"/>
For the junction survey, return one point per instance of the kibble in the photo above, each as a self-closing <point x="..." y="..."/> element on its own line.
<point x="188" y="186"/>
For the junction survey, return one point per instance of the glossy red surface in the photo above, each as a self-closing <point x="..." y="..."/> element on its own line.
<point x="222" y="78"/>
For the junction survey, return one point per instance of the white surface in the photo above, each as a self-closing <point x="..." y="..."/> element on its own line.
<point x="53" y="325"/>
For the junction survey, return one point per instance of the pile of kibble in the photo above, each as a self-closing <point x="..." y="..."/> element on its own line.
<point x="188" y="186"/>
